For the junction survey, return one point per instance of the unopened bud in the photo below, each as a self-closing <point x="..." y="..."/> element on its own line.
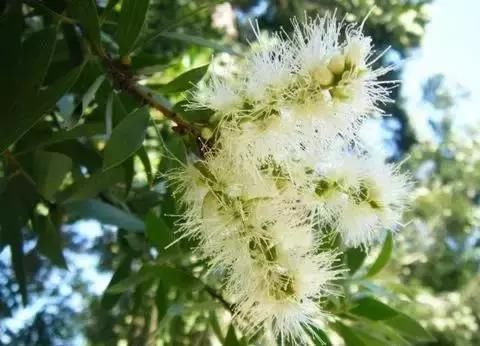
<point x="126" y="60"/>
<point x="337" y="63"/>
<point x="323" y="76"/>
<point x="206" y="133"/>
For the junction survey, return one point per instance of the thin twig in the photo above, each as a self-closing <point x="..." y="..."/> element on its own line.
<point x="219" y="297"/>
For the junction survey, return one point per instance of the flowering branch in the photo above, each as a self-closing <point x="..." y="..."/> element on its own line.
<point x="124" y="79"/>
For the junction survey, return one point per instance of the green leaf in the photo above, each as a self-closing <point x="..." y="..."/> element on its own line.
<point x="174" y="154"/>
<point x="383" y="257"/>
<point x="197" y="115"/>
<point x="212" y="318"/>
<point x="11" y="28"/>
<point x="37" y="52"/>
<point x="143" y="155"/>
<point x="130" y="24"/>
<point x="318" y="336"/>
<point x="185" y="81"/>
<point x="349" y="336"/>
<point x="50" y="170"/>
<point x="197" y="40"/>
<point x="177" y="277"/>
<point x="231" y="338"/>
<point x="105" y="213"/>
<point x="15" y="240"/>
<point x="354" y="258"/>
<point x="373" y="309"/>
<point x="123" y="271"/>
<point x="89" y="95"/>
<point x="144" y="274"/>
<point x="85" y="11"/>
<point x="161" y="300"/>
<point x="84" y="130"/>
<point x="157" y="232"/>
<point x="16" y="206"/>
<point x="90" y="187"/>
<point x="126" y="139"/>
<point x="50" y="241"/>
<point x="408" y="327"/>
<point x="16" y="125"/>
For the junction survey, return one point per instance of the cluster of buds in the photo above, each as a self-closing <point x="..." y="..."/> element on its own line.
<point x="287" y="171"/>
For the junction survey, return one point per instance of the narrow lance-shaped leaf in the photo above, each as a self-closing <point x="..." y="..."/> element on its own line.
<point x="126" y="138"/>
<point x="50" y="171"/>
<point x="349" y="336"/>
<point x="49" y="240"/>
<point x="16" y="206"/>
<point x="383" y="257"/>
<point x="122" y="272"/>
<point x="90" y="93"/>
<point x="158" y="232"/>
<point x="105" y="213"/>
<point x="85" y="11"/>
<point x="373" y="309"/>
<point x="355" y="258"/>
<point x="14" y="127"/>
<point x="185" y="81"/>
<point x="410" y="328"/>
<point x="231" y="337"/>
<point x="130" y="24"/>
<point x="90" y="187"/>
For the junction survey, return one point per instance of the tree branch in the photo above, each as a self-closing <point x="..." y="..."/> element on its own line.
<point x="124" y="79"/>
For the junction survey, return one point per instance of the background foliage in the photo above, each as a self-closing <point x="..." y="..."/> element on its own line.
<point x="87" y="92"/>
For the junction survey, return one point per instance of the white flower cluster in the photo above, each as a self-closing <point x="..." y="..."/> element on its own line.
<point x="286" y="171"/>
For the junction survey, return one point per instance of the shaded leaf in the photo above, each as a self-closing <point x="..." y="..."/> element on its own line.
<point x="231" y="337"/>
<point x="407" y="326"/>
<point x="105" y="213"/>
<point x="193" y="115"/>
<point x="50" y="171"/>
<point x="83" y="130"/>
<point x="126" y="139"/>
<point x="11" y="28"/>
<point x="349" y="336"/>
<point x="85" y="11"/>
<point x="143" y="155"/>
<point x="16" y="205"/>
<point x="50" y="241"/>
<point x="15" y="126"/>
<point x="123" y="271"/>
<point x="130" y="24"/>
<point x="174" y="153"/>
<point x="161" y="300"/>
<point x="92" y="186"/>
<point x="144" y="274"/>
<point x="89" y="95"/>
<point x="158" y="232"/>
<point x="355" y="258"/>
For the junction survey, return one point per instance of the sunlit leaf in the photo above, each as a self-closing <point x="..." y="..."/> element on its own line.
<point x="383" y="256"/>
<point x="185" y="81"/>
<point x="373" y="309"/>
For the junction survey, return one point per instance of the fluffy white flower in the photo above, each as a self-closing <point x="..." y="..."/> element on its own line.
<point x="360" y="197"/>
<point x="286" y="170"/>
<point x="219" y="94"/>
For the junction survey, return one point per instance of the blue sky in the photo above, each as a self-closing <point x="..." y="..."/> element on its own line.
<point x="451" y="46"/>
